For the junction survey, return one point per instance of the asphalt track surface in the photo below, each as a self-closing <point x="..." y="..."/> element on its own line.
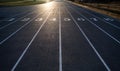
<point x="58" y="36"/>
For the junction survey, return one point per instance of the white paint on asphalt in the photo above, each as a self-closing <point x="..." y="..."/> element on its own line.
<point x="67" y="19"/>
<point x="98" y="27"/>
<point x="53" y="19"/>
<point x="104" y="63"/>
<point x="60" y="43"/>
<point x="11" y="19"/>
<point x="39" y="19"/>
<point x="14" y="21"/>
<point x="1" y="42"/>
<point x="108" y="19"/>
<point x="21" y="56"/>
<point x="25" y="19"/>
<point x="19" y="14"/>
<point x="80" y="19"/>
<point x="94" y="19"/>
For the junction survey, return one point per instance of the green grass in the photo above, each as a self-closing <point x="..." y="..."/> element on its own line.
<point x="21" y="3"/>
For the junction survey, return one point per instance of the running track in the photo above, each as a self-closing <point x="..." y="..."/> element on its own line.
<point x="58" y="36"/>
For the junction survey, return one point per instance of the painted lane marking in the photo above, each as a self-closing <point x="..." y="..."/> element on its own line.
<point x="60" y="43"/>
<point x="39" y="19"/>
<point x="14" y="21"/>
<point x="19" y="14"/>
<point x="98" y="27"/>
<point x="94" y="19"/>
<point x="103" y="20"/>
<point x="1" y="42"/>
<point x="53" y="19"/>
<point x="99" y="56"/>
<point x="25" y="19"/>
<point x="108" y="19"/>
<point x="67" y="19"/>
<point x="80" y="19"/>
<point x="21" y="56"/>
<point x="11" y="19"/>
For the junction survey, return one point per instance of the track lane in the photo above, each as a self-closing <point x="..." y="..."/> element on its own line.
<point x="99" y="15"/>
<point x="7" y="22"/>
<point x="98" y="27"/>
<point x="77" y="53"/>
<point x="60" y="44"/>
<point x="105" y="45"/>
<point x="14" y="28"/>
<point x="110" y="29"/>
<point x="12" y="48"/>
<point x="44" y="48"/>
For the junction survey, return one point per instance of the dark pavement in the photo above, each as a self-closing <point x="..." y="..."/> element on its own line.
<point x="58" y="36"/>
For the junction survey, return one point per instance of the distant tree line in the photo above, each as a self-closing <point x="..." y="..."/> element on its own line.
<point x="14" y="0"/>
<point x="95" y="1"/>
<point x="9" y="0"/>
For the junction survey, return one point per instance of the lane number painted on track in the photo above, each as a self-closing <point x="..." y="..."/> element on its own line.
<point x="80" y="19"/>
<point x="39" y="19"/>
<point x="53" y="19"/>
<point x="25" y="19"/>
<point x="108" y="19"/>
<point x="67" y="19"/>
<point x="94" y="19"/>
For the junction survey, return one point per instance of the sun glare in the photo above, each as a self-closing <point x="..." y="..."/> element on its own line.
<point x="48" y="5"/>
<point x="47" y="0"/>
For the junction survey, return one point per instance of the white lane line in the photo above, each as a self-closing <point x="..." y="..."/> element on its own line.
<point x="98" y="27"/>
<point x="1" y="42"/>
<point x="60" y="43"/>
<point x="98" y="17"/>
<point x="11" y="19"/>
<point x="104" y="63"/>
<point x="19" y="14"/>
<point x="15" y="21"/>
<point x="21" y="56"/>
<point x="95" y="12"/>
<point x="102" y="19"/>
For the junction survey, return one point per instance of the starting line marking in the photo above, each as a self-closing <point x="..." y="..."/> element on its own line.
<point x="25" y="19"/>
<point x="65" y="19"/>
<point x="39" y="19"/>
